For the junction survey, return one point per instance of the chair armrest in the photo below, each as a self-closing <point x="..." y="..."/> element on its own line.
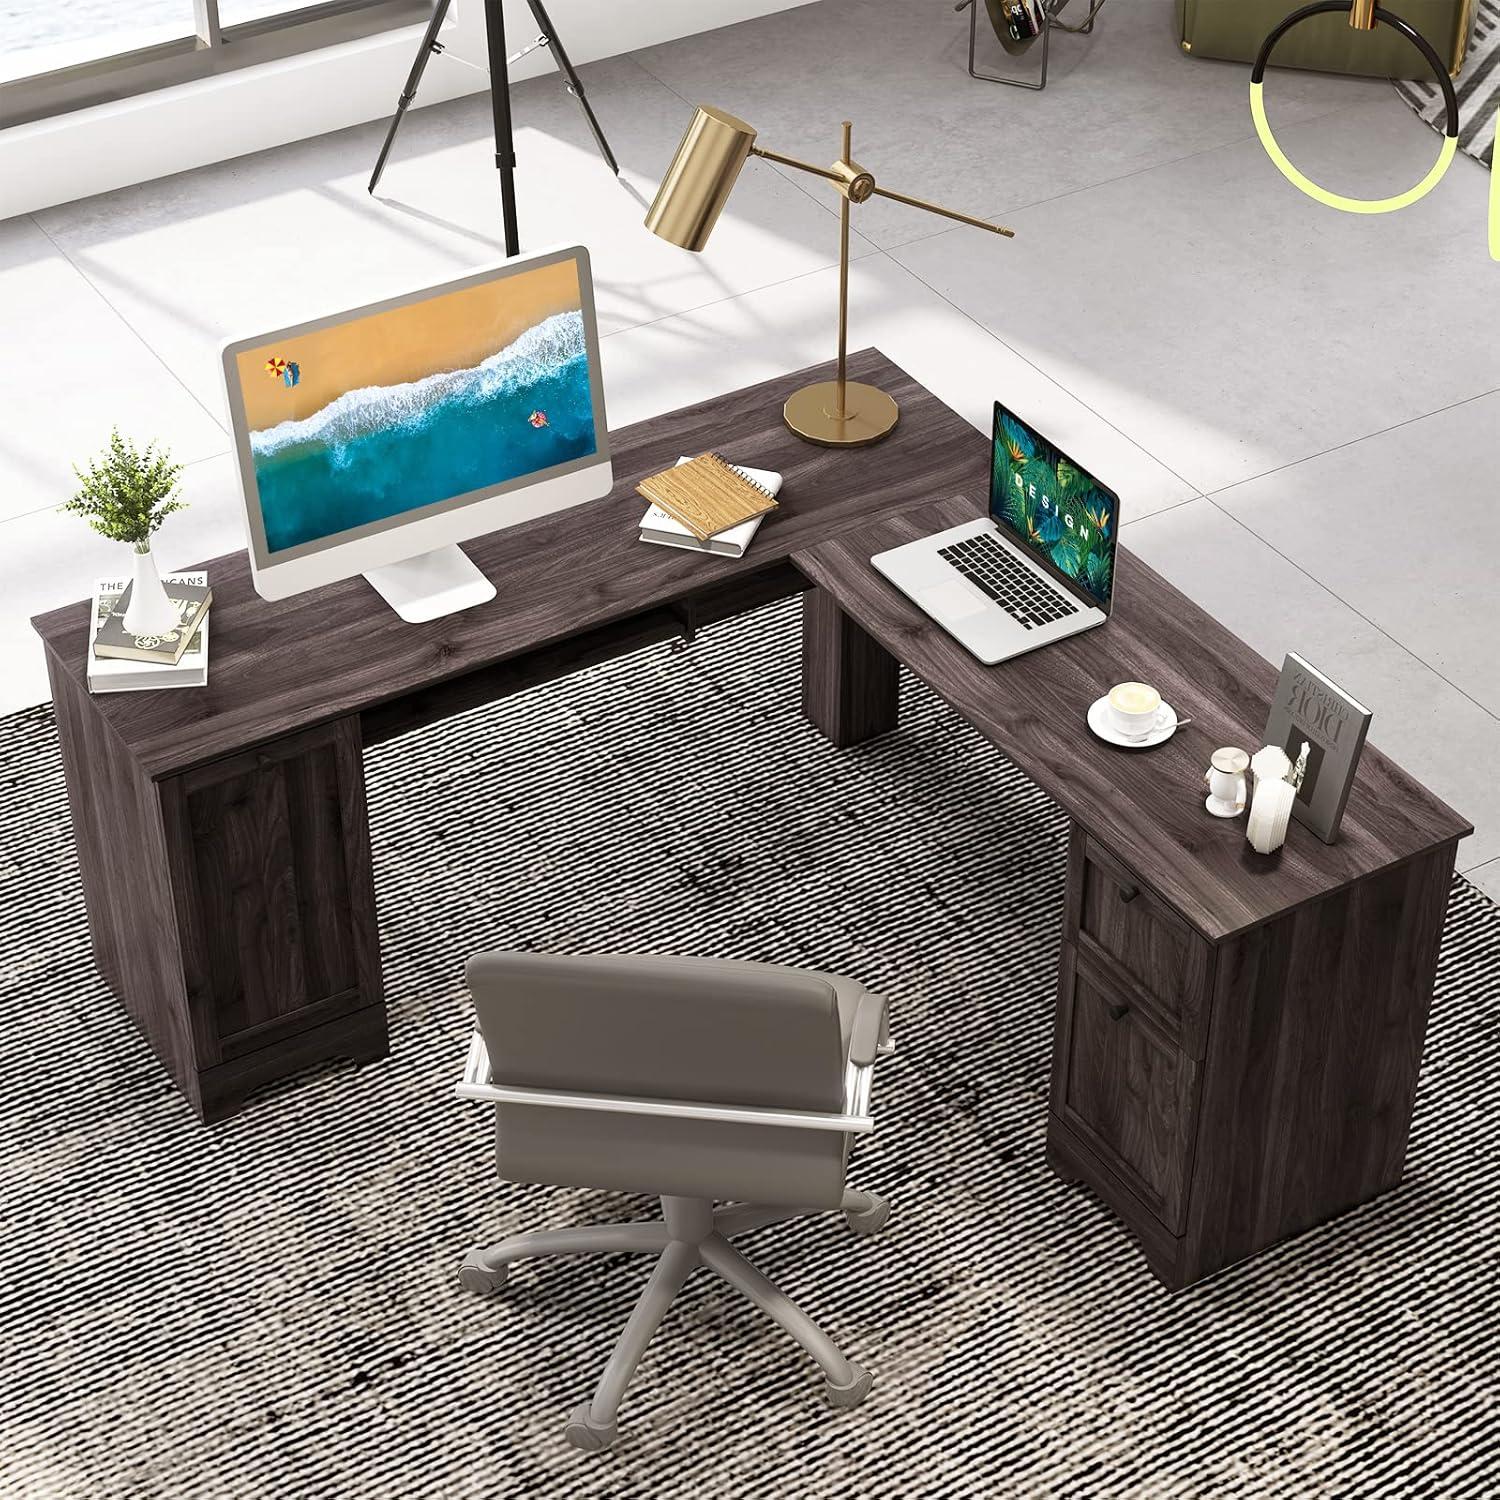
<point x="478" y="1083"/>
<point x="869" y="1037"/>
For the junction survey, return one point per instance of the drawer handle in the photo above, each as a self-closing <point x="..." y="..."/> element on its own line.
<point x="1129" y="892"/>
<point x="1118" y="1011"/>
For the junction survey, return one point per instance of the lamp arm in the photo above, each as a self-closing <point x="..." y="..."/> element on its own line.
<point x="792" y="161"/>
<point x="882" y="192"/>
<point x="947" y="213"/>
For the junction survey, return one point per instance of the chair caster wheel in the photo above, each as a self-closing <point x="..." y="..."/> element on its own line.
<point x="853" y="1393"/>
<point x="582" y="1433"/>
<point x="477" y="1277"/>
<point x="872" y="1220"/>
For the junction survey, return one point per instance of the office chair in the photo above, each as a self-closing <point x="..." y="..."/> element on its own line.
<point x="697" y="1080"/>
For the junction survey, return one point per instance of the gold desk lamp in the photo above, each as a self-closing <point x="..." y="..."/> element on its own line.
<point x="838" y="413"/>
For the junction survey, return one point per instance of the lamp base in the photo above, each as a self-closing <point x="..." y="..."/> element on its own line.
<point x="869" y="414"/>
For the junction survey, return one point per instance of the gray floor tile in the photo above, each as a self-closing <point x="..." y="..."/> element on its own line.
<point x="1253" y="327"/>
<point x="1487" y="878"/>
<point x="763" y="334"/>
<point x="270" y="239"/>
<point x="73" y="369"/>
<point x="1429" y="727"/>
<point x="1401" y="526"/>
<point x="1124" y="99"/>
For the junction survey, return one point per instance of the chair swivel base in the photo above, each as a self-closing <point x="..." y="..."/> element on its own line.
<point x="690" y="1233"/>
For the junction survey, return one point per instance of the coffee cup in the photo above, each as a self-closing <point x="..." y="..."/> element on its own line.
<point x="1133" y="709"/>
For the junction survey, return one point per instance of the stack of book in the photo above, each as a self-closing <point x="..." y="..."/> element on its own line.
<point x="120" y="662"/>
<point x="707" y="505"/>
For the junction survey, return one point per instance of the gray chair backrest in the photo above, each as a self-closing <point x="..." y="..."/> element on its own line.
<point x="723" y="1033"/>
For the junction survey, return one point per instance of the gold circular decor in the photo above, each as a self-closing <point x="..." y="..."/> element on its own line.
<point x="1306" y="184"/>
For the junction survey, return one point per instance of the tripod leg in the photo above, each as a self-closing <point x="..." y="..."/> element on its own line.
<point x="544" y="23"/>
<point x="505" y="150"/>
<point x="428" y="45"/>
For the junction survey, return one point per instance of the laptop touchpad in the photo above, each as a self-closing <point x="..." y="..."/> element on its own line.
<point x="954" y="601"/>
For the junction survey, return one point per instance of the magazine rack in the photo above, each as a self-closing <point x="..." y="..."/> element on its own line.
<point x="1051" y="9"/>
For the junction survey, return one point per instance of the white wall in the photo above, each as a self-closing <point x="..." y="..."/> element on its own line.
<point x="171" y="130"/>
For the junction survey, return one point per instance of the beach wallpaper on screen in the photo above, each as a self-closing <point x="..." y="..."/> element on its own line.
<point x="398" y="410"/>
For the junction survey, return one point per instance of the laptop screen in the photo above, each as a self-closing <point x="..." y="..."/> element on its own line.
<point x="1058" y="511"/>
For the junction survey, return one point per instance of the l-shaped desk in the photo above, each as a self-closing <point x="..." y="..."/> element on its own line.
<point x="1237" y="1037"/>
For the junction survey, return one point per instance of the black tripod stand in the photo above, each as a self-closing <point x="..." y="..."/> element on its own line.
<point x="505" y="155"/>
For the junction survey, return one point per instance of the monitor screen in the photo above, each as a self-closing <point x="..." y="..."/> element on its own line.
<point x="1056" y="509"/>
<point x="368" y="420"/>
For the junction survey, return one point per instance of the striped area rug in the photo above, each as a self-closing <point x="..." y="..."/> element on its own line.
<point x="269" y="1308"/>
<point x="1477" y="87"/>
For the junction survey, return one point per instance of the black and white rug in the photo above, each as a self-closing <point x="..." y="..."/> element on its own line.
<point x="269" y="1308"/>
<point x="1477" y="87"/>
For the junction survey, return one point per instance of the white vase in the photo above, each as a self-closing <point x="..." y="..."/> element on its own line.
<point x="151" y="612"/>
<point x="1270" y="813"/>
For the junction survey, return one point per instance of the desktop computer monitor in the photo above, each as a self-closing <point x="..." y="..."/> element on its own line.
<point x="375" y="440"/>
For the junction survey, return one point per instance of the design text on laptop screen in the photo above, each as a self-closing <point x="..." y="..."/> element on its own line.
<point x="1056" y="509"/>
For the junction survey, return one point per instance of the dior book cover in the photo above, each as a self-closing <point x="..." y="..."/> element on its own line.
<point x="1308" y="706"/>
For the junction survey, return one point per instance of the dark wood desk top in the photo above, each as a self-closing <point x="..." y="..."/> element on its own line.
<point x="278" y="667"/>
<point x="1144" y="805"/>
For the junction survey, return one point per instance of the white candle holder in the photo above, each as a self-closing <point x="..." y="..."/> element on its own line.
<point x="1276" y="783"/>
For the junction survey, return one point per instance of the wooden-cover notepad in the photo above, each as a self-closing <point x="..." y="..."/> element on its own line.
<point x="706" y="495"/>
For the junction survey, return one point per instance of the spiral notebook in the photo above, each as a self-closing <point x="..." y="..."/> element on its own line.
<point x="707" y="495"/>
<point x="666" y="531"/>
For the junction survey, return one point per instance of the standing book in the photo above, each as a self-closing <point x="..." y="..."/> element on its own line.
<point x="117" y="675"/>
<point x="1308" y="706"/>
<point x="667" y="531"/>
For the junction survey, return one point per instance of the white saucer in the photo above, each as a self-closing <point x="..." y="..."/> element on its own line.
<point x="1166" y="726"/>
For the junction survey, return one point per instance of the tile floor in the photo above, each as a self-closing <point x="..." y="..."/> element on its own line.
<point x="1299" y="407"/>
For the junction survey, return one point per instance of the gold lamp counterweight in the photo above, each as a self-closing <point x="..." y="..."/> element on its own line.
<point x="838" y="413"/>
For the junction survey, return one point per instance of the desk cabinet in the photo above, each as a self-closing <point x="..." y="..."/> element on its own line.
<point x="231" y="905"/>
<point x="1223" y="1095"/>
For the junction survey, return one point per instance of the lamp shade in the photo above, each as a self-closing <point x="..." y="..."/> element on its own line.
<point x="700" y="178"/>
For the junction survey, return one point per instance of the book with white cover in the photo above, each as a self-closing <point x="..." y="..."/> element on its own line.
<point x="114" y="675"/>
<point x="657" y="526"/>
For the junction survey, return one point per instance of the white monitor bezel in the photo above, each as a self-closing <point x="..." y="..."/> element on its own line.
<point x="459" y="518"/>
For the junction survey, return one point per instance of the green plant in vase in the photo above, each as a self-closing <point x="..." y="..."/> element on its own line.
<point x="125" y="494"/>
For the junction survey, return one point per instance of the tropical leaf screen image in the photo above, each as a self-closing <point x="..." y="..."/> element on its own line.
<point x="1056" y="508"/>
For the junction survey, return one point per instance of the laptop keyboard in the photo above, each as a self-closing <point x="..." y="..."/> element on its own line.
<point x="989" y="565"/>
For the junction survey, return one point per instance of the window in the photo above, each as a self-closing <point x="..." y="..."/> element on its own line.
<point x="59" y="55"/>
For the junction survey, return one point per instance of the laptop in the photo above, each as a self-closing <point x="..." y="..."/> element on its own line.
<point x="1041" y="566"/>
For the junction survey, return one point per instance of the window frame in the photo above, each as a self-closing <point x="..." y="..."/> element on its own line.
<point x="212" y="50"/>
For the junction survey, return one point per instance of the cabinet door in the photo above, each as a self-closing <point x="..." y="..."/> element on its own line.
<point x="1126" y="1089"/>
<point x="274" y="891"/>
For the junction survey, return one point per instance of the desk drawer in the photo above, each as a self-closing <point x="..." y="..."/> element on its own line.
<point x="1119" y="917"/>
<point x="1121" y="1085"/>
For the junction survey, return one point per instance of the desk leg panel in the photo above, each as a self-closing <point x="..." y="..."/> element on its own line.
<point x="849" y="680"/>
<point x="125" y="872"/>
<point x="1318" y="1025"/>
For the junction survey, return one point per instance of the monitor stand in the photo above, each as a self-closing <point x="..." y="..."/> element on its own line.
<point x="437" y="583"/>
